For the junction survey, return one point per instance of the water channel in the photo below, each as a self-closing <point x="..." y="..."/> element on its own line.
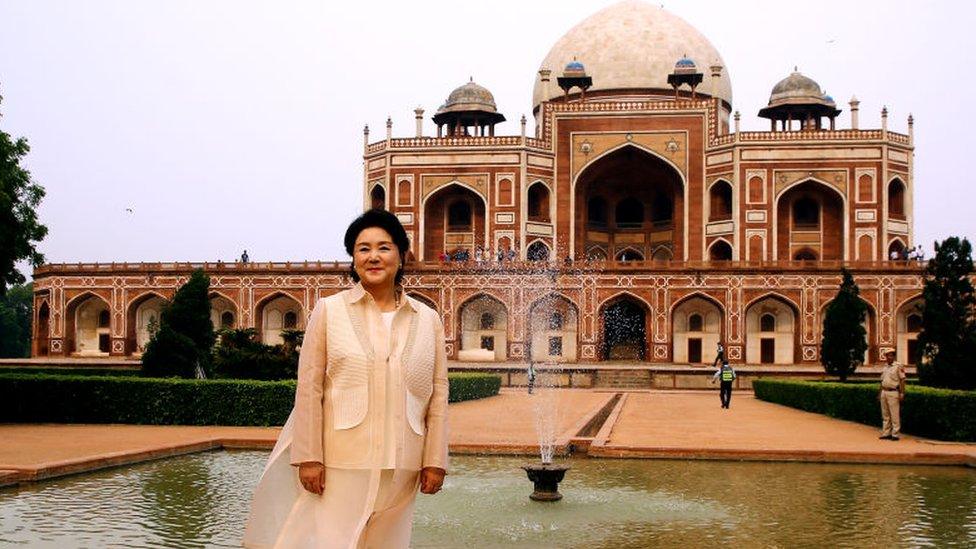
<point x="202" y="500"/>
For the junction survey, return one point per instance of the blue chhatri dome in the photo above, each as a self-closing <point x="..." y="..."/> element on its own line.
<point x="574" y="65"/>
<point x="685" y="62"/>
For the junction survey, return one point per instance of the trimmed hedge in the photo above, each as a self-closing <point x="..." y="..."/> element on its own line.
<point x="42" y="398"/>
<point x="30" y="398"/>
<point x="941" y="414"/>
<point x="55" y="371"/>
<point x="472" y="386"/>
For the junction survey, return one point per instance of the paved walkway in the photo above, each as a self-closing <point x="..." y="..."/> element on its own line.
<point x="652" y="424"/>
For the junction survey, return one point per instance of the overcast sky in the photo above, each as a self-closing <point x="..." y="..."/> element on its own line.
<point x="225" y="125"/>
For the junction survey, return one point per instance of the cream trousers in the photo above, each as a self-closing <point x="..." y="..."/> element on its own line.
<point x="890" y="413"/>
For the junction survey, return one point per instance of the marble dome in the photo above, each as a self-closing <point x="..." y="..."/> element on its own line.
<point x="469" y="97"/>
<point x="632" y="45"/>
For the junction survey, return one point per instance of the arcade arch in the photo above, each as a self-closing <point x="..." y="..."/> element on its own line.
<point x="278" y="313"/>
<point x="628" y="197"/>
<point x="553" y="326"/>
<point x="810" y="222"/>
<point x="771" y="324"/>
<point x="696" y="324"/>
<point x="484" y="329"/>
<point x="624" y="320"/>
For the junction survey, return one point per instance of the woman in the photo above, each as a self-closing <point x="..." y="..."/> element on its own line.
<point x="370" y="416"/>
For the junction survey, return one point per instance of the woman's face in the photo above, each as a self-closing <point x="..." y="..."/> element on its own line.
<point x="376" y="257"/>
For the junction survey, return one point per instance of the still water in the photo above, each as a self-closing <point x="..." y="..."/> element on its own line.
<point x="202" y="501"/>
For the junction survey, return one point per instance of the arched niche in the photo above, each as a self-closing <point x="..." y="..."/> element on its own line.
<point x="278" y="313"/>
<point x="624" y="328"/>
<point x="553" y="327"/>
<point x="484" y="329"/>
<point x="771" y="331"/>
<point x="696" y="324"/>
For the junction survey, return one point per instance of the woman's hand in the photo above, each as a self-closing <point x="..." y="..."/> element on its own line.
<point x="312" y="476"/>
<point x="431" y="479"/>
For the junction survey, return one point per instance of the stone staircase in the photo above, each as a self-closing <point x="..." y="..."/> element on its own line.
<point x="624" y="378"/>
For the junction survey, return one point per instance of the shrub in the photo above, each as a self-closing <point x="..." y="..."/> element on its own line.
<point x="948" y="336"/>
<point x="42" y="398"/>
<point x="843" y="346"/>
<point x="240" y="356"/>
<point x="26" y="398"/>
<point x="934" y="413"/>
<point x="186" y="336"/>
<point x="472" y="386"/>
<point x="64" y="371"/>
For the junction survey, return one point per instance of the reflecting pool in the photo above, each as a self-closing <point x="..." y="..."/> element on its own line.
<point x="202" y="501"/>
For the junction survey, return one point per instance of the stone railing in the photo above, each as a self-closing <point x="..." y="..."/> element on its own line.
<point x="477" y="266"/>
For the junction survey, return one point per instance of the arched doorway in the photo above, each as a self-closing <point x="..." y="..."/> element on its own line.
<point x="896" y="250"/>
<point x="553" y="325"/>
<point x="720" y="201"/>
<point x="696" y="325"/>
<point x="223" y="312"/>
<point x="771" y="332"/>
<point x="896" y="199"/>
<point x="143" y="321"/>
<point x="277" y="314"/>
<point x="538" y="203"/>
<point x="909" y="326"/>
<point x="89" y="322"/>
<point x="720" y="250"/>
<point x="43" y="331"/>
<point x="810" y="223"/>
<point x="629" y="197"/>
<point x="624" y="320"/>
<point x="377" y="198"/>
<point x="454" y="223"/>
<point x="484" y="329"/>
<point x="537" y="251"/>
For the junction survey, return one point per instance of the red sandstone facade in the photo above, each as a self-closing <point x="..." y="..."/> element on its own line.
<point x="644" y="226"/>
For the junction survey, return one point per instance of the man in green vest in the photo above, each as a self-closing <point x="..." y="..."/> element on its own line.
<point x="725" y="375"/>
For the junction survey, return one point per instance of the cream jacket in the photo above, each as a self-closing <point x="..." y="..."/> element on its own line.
<point x="341" y="416"/>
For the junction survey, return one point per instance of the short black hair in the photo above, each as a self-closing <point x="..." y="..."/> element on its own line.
<point x="381" y="219"/>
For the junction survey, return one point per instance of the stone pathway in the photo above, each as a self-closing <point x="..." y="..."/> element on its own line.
<point x="649" y="424"/>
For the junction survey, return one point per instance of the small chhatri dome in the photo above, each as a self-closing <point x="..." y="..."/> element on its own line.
<point x="685" y="66"/>
<point x="469" y="97"/>
<point x="796" y="89"/>
<point x="574" y="69"/>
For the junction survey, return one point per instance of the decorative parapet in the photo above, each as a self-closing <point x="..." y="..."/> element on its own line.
<point x="705" y="267"/>
<point x="709" y="106"/>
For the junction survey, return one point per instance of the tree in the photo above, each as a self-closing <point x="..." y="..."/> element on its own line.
<point x="844" y="338"/>
<point x="16" y="311"/>
<point x="948" y="336"/>
<point x="20" y="230"/>
<point x="186" y="335"/>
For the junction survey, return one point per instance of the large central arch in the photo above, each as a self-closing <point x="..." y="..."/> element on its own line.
<point x="454" y="221"/>
<point x="629" y="198"/>
<point x="810" y="222"/>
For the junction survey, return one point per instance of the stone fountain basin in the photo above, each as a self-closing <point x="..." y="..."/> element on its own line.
<point x="546" y="478"/>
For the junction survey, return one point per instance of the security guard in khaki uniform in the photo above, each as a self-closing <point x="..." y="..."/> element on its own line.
<point x="892" y="393"/>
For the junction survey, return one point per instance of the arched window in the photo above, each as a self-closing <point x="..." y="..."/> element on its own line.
<point x="914" y="322"/>
<point x="596" y="212"/>
<point x="806" y="254"/>
<point x="720" y="251"/>
<point x="556" y="321"/>
<point x="103" y="319"/>
<point x="538" y="203"/>
<point x="695" y="323"/>
<point x="662" y="254"/>
<point x="720" y="202"/>
<point x="291" y="320"/>
<point x="227" y="319"/>
<point x="630" y="254"/>
<point x="596" y="253"/>
<point x="896" y="199"/>
<point x="629" y="214"/>
<point x="487" y="321"/>
<point x="537" y="251"/>
<point x="767" y="323"/>
<point x="459" y="216"/>
<point x="378" y="197"/>
<point x="806" y="214"/>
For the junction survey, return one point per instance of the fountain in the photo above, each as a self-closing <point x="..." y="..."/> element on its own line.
<point x="546" y="478"/>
